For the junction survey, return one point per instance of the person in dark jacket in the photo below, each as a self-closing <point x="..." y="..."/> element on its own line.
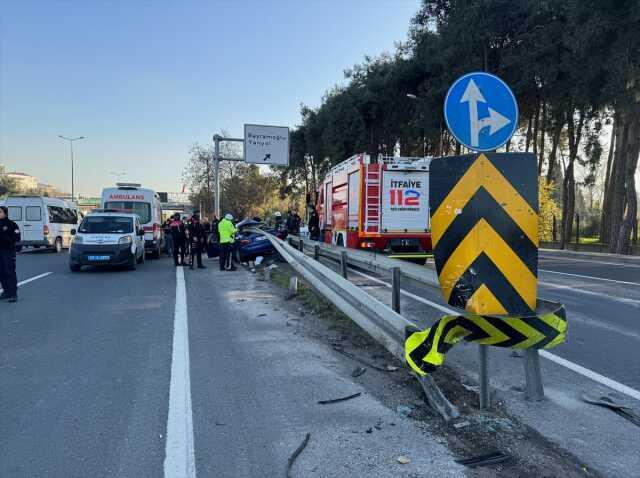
<point x="9" y="236"/>
<point x="168" y="238"/>
<point x="314" y="225"/>
<point x="179" y="235"/>
<point x="198" y="238"/>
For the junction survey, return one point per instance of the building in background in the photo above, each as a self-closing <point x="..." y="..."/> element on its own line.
<point x="24" y="183"/>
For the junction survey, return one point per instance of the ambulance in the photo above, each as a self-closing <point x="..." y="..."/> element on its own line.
<point x="378" y="204"/>
<point x="133" y="198"/>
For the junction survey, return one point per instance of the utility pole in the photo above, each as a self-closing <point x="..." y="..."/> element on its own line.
<point x="71" y="140"/>
<point x="216" y="167"/>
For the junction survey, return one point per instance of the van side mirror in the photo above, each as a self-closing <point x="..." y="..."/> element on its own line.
<point x="72" y="232"/>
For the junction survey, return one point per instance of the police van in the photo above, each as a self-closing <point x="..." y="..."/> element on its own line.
<point x="134" y="199"/>
<point x="43" y="221"/>
<point x="107" y="238"/>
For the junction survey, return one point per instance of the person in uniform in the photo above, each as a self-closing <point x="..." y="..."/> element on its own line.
<point x="227" y="232"/>
<point x="179" y="236"/>
<point x="198" y="238"/>
<point x="9" y="236"/>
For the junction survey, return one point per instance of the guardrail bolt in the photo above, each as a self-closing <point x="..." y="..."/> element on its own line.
<point x="395" y="289"/>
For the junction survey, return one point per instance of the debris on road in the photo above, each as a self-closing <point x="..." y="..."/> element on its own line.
<point x="358" y="359"/>
<point x="483" y="460"/>
<point x="296" y="453"/>
<point x="262" y="315"/>
<point x="622" y="410"/>
<point x="404" y="410"/>
<point x="461" y="424"/>
<point x="403" y="460"/>
<point x="341" y="399"/>
<point x="391" y="368"/>
<point x="358" y="371"/>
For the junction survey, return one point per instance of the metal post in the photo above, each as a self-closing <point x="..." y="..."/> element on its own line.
<point x="343" y="263"/>
<point x="216" y="175"/>
<point x="577" y="229"/>
<point x="72" y="182"/>
<point x="533" y="377"/>
<point x="395" y="289"/>
<point x="484" y="379"/>
<point x="316" y="252"/>
<point x="301" y="245"/>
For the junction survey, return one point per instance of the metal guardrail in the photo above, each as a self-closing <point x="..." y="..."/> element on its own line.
<point x="382" y="323"/>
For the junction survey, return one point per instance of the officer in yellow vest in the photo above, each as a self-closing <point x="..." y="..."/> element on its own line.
<point x="227" y="232"/>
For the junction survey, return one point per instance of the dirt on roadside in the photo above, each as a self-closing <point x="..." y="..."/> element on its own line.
<point x="473" y="434"/>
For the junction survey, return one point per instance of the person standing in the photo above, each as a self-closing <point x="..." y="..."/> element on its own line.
<point x="9" y="235"/>
<point x="198" y="237"/>
<point x="168" y="238"/>
<point x="227" y="232"/>
<point x="179" y="237"/>
<point x="314" y="225"/>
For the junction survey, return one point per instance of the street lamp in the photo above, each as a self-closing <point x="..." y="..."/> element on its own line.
<point x="71" y="140"/>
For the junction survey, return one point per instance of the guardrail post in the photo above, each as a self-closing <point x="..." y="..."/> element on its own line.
<point x="316" y="252"/>
<point x="301" y="245"/>
<point x="485" y="402"/>
<point x="533" y="376"/>
<point x="395" y="289"/>
<point x="343" y="263"/>
<point x="290" y="241"/>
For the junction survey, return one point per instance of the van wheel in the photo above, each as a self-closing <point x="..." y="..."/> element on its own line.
<point x="57" y="246"/>
<point x="340" y="241"/>
<point x="156" y="253"/>
<point x="133" y="264"/>
<point x="141" y="258"/>
<point x="75" y="267"/>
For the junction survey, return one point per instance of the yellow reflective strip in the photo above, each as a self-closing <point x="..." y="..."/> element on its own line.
<point x="484" y="302"/>
<point x="558" y="340"/>
<point x="533" y="335"/>
<point x="495" y="335"/>
<point x="554" y="321"/>
<point x="456" y="334"/>
<point x="483" y="173"/>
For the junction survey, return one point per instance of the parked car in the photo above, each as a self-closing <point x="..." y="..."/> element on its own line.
<point x="43" y="221"/>
<point x="108" y="238"/>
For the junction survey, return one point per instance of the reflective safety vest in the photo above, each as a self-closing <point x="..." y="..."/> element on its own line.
<point x="227" y="231"/>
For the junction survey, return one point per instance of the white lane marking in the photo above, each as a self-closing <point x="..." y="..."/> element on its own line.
<point x="614" y="298"/>
<point x="579" y="369"/>
<point x="587" y="261"/>
<point x="179" y="459"/>
<point x="589" y="277"/>
<point x="617" y="386"/>
<point x="31" y="279"/>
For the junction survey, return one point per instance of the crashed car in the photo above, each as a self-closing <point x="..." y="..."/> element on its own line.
<point x="251" y="244"/>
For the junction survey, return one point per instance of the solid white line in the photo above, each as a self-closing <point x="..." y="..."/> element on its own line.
<point x="31" y="279"/>
<point x="589" y="277"/>
<point x="179" y="459"/>
<point x="615" y="298"/>
<point x="579" y="369"/>
<point x="588" y="261"/>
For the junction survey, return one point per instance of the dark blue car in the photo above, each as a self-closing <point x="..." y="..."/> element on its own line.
<point x="251" y="244"/>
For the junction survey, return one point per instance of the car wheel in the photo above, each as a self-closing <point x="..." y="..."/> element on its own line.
<point x="141" y="258"/>
<point x="75" y="267"/>
<point x="133" y="263"/>
<point x="156" y="253"/>
<point x="57" y="246"/>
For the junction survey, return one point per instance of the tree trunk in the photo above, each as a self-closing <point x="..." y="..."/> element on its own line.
<point x="568" y="184"/>
<point x="555" y="142"/>
<point x="528" y="137"/>
<point x="631" y="151"/>
<point x="606" y="196"/>
<point x="543" y="130"/>
<point x="617" y="198"/>
<point x="536" y="125"/>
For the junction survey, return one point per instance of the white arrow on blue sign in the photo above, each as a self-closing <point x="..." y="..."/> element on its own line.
<point x="481" y="111"/>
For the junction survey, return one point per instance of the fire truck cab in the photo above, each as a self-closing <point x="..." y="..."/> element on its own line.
<point x="378" y="204"/>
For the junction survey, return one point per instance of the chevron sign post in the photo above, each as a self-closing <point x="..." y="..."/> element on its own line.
<point x="484" y="229"/>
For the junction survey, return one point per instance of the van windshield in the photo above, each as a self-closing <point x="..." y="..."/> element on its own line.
<point x="106" y="225"/>
<point x="142" y="209"/>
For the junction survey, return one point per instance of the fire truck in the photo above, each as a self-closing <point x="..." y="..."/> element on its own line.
<point x="379" y="204"/>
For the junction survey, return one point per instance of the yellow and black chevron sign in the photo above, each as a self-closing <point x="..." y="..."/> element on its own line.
<point x="484" y="230"/>
<point x="424" y="351"/>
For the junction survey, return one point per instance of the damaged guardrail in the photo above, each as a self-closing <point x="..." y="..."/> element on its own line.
<point x="381" y="264"/>
<point x="384" y="325"/>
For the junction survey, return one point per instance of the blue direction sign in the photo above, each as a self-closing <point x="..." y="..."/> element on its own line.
<point x="481" y="111"/>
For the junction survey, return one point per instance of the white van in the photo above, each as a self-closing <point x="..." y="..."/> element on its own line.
<point x="132" y="198"/>
<point x="43" y="221"/>
<point x="107" y="238"/>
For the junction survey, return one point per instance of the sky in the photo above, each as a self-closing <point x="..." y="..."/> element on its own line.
<point x="144" y="80"/>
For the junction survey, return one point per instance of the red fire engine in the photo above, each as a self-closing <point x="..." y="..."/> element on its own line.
<point x="377" y="204"/>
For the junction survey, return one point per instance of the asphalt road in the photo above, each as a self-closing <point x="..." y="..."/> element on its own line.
<point x="90" y="375"/>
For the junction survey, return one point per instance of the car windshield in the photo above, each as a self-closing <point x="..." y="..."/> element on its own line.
<point x="106" y="225"/>
<point x="142" y="209"/>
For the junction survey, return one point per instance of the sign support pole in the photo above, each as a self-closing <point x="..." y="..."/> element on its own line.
<point x="216" y="168"/>
<point x="485" y="401"/>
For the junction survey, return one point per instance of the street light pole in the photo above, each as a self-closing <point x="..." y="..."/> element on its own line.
<point x="71" y="140"/>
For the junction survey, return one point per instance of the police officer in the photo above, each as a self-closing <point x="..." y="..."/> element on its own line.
<point x="227" y="232"/>
<point x="198" y="238"/>
<point x="9" y="235"/>
<point x="179" y="235"/>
